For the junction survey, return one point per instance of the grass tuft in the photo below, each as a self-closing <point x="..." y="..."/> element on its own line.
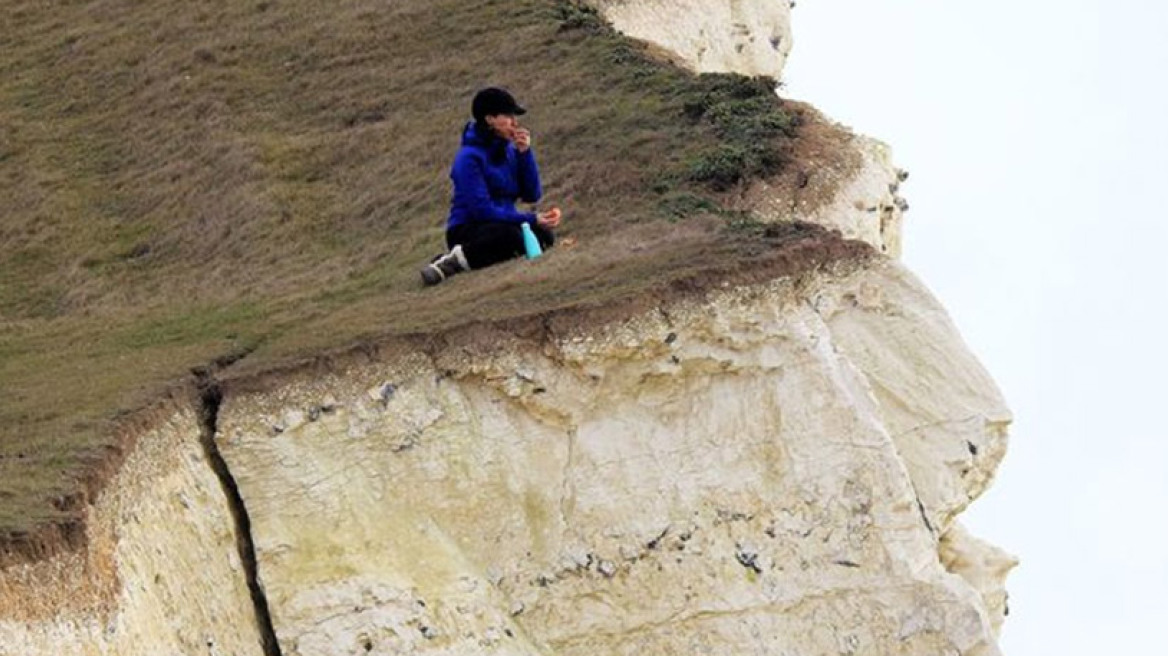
<point x="745" y="113"/>
<point x="582" y="17"/>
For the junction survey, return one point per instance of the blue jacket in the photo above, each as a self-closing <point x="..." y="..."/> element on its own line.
<point x="489" y="175"/>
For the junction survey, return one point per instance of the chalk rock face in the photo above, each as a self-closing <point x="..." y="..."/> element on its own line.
<point x="854" y="190"/>
<point x="752" y="37"/>
<point x="981" y="564"/>
<point x="161" y="574"/>
<point x="742" y="472"/>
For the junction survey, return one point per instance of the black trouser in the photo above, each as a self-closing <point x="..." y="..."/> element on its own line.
<point x="486" y="243"/>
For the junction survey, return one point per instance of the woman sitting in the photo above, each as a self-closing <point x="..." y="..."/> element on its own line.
<point x="493" y="169"/>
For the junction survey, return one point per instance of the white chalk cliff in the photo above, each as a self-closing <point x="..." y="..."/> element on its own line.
<point x="752" y="37"/>
<point x="775" y="468"/>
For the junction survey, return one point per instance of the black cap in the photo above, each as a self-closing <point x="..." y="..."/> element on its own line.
<point x="493" y="101"/>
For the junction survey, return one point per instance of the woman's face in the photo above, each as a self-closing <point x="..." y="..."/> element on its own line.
<point x="504" y="125"/>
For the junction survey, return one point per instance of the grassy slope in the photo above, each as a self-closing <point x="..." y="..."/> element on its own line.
<point x="182" y="180"/>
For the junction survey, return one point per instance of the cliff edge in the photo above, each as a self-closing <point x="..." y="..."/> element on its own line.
<point x="769" y="456"/>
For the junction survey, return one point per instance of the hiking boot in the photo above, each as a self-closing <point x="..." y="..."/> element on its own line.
<point x="445" y="266"/>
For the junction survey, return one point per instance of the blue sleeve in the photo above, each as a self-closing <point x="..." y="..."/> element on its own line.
<point x="530" y="189"/>
<point x="471" y="193"/>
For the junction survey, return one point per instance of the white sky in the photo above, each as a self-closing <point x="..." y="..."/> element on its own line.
<point x="1035" y="134"/>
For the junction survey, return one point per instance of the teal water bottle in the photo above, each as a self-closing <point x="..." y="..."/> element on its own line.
<point x="530" y="243"/>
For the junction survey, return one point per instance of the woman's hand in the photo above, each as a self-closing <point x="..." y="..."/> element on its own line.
<point x="549" y="219"/>
<point x="522" y="139"/>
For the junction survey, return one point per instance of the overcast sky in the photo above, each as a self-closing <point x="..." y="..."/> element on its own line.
<point x="1034" y="132"/>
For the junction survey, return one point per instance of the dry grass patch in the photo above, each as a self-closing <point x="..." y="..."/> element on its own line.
<point x="186" y="180"/>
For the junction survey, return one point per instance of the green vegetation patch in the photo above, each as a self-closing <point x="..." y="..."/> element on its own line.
<point x="743" y="112"/>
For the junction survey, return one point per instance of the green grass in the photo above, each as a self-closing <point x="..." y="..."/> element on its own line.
<point x="183" y="180"/>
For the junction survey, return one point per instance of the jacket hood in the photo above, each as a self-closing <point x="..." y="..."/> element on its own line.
<point x="495" y="146"/>
<point x="471" y="136"/>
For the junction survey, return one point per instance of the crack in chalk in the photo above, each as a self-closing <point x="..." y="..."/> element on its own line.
<point x="211" y="397"/>
<point x="925" y="514"/>
<point x="941" y="422"/>
<point x="564" y="488"/>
